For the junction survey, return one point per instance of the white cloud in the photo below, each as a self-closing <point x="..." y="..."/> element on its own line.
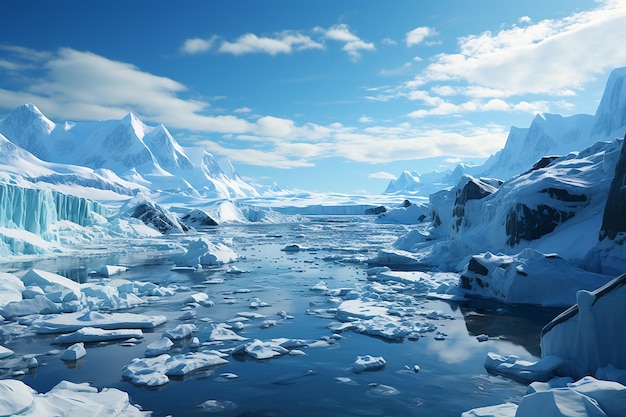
<point x="353" y="45"/>
<point x="546" y="57"/>
<point x="382" y="175"/>
<point x="274" y="126"/>
<point x="417" y="35"/>
<point x="197" y="45"/>
<point x="389" y="41"/>
<point x="524" y="19"/>
<point x="365" y="119"/>
<point x="85" y="86"/>
<point x="284" y="43"/>
<point x="243" y="110"/>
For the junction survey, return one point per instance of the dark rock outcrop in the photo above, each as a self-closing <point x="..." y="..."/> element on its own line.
<point x="527" y="223"/>
<point x="614" y="218"/>
<point x="474" y="189"/>
<point x="375" y="210"/>
<point x="155" y="216"/>
<point x="198" y="218"/>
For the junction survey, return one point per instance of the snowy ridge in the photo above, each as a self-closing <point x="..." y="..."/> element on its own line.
<point x="148" y="157"/>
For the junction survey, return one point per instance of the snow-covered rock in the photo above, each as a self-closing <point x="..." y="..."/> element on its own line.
<point x="411" y="213"/>
<point x="530" y="277"/>
<point x="368" y="363"/>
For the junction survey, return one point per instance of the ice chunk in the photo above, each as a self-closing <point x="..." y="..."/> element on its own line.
<point x="559" y="402"/>
<point x="74" y="352"/>
<point x="56" y="287"/>
<point x="5" y="352"/>
<point x="15" y="397"/>
<point x="223" y="332"/>
<point x="180" y="332"/>
<point x="94" y="334"/>
<point x="11" y="288"/>
<point x="611" y="396"/>
<point x="37" y="305"/>
<point x="514" y="367"/>
<point x="73" y="321"/>
<point x="260" y="350"/>
<point x="501" y="410"/>
<point x="110" y="270"/>
<point x="155" y="371"/>
<point x="202" y="251"/>
<point x="368" y="363"/>
<point x="158" y="347"/>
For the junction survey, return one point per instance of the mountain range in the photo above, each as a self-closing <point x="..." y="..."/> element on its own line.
<point x="548" y="135"/>
<point x="125" y="156"/>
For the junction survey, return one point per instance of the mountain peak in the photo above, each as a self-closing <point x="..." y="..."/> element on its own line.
<point x="611" y="113"/>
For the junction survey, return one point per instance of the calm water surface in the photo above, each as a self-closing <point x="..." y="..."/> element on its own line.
<point x="451" y="379"/>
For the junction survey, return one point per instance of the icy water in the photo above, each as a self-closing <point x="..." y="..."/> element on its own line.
<point x="451" y="377"/>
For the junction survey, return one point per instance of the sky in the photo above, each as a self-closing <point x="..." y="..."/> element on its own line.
<point x="324" y="95"/>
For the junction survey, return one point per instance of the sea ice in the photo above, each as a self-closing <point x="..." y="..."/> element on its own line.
<point x="223" y="332"/>
<point x="69" y="322"/>
<point x="11" y="288"/>
<point x="519" y="369"/>
<point x="201" y="251"/>
<point x="155" y="371"/>
<point x="5" y="352"/>
<point x="368" y="363"/>
<point x="158" y="347"/>
<point x="260" y="350"/>
<point x="94" y="334"/>
<point x="181" y="331"/>
<point x="74" y="352"/>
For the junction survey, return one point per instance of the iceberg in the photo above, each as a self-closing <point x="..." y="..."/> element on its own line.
<point x="70" y="322"/>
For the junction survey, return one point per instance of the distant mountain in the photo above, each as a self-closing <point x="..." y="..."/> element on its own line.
<point x="147" y="156"/>
<point x="548" y="135"/>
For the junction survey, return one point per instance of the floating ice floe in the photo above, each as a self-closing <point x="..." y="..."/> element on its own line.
<point x="11" y="288"/>
<point x="158" y="347"/>
<point x="70" y="322"/>
<point x="74" y="352"/>
<point x="223" y="332"/>
<point x="156" y="371"/>
<point x="110" y="270"/>
<point x="181" y="331"/>
<point x="5" y="352"/>
<point x="202" y="252"/>
<point x="260" y="350"/>
<point x="523" y="370"/>
<point x="368" y="363"/>
<point x="66" y="399"/>
<point x="94" y="334"/>
<point x="201" y="298"/>
<point x="588" y="397"/>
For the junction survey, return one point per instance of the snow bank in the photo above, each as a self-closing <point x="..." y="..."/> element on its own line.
<point x="529" y="277"/>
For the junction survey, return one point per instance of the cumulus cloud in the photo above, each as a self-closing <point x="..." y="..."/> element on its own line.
<point x="197" y="45"/>
<point x="352" y="44"/>
<point x="545" y="57"/>
<point x="382" y="175"/>
<point x="417" y="35"/>
<point x="284" y="43"/>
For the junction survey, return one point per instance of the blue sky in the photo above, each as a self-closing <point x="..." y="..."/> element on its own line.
<point x="315" y="95"/>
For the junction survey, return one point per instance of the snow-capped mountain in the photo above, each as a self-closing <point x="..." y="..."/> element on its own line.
<point x="548" y="135"/>
<point x="147" y="156"/>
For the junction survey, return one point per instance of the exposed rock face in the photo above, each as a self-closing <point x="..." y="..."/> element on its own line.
<point x="158" y="218"/>
<point x="198" y="218"/>
<point x="530" y="224"/>
<point x="542" y="163"/>
<point x="526" y="223"/>
<point x="614" y="218"/>
<point x="375" y="210"/>
<point x="474" y="189"/>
